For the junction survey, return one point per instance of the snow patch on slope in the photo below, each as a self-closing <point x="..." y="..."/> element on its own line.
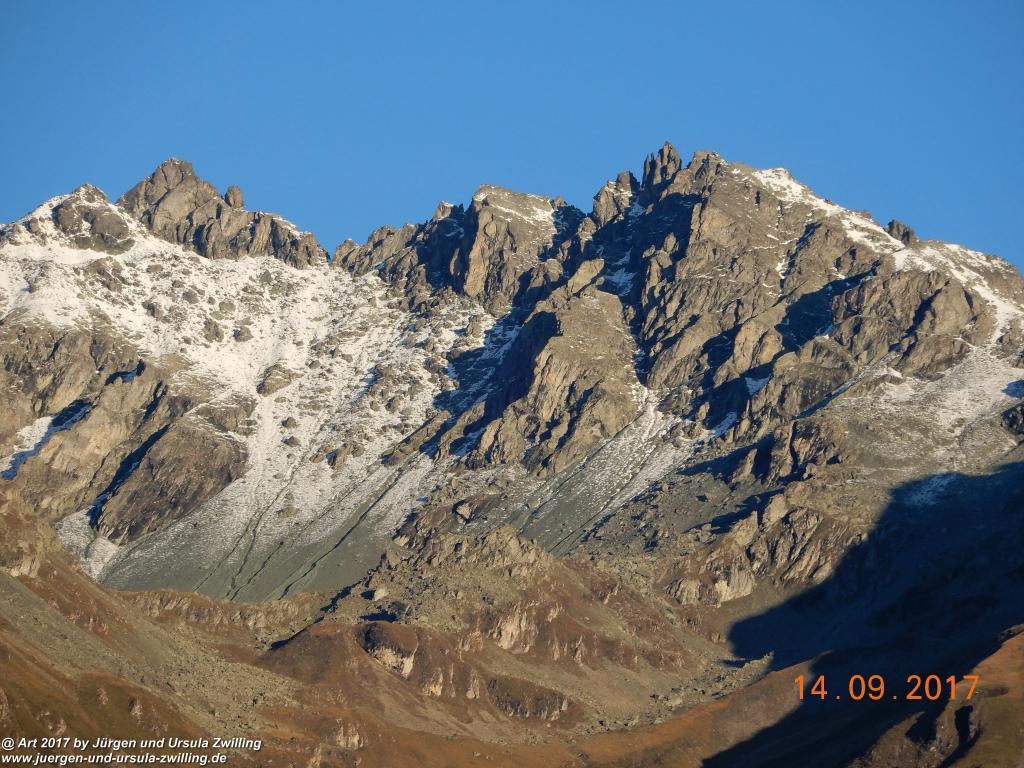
<point x="221" y="324"/>
<point x="973" y="269"/>
<point x="860" y="227"/>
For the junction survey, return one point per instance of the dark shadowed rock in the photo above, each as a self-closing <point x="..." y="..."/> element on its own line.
<point x="901" y="232"/>
<point x="1013" y="419"/>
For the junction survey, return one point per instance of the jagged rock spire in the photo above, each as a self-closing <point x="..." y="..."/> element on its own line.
<point x="662" y="166"/>
<point x="615" y="197"/>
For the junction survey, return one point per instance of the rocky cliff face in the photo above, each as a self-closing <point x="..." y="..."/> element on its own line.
<point x="517" y="438"/>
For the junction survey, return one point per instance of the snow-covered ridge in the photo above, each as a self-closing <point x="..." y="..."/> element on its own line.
<point x="37" y="227"/>
<point x="43" y="210"/>
<point x="227" y="319"/>
<point x="859" y="226"/>
<point x="221" y="324"/>
<point x="927" y="255"/>
<point x="973" y="269"/>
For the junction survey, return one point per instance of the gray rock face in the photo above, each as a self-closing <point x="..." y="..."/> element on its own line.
<point x="233" y="197"/>
<point x="804" y="447"/>
<point x="615" y="198"/>
<point x="910" y="305"/>
<point x="512" y="232"/>
<point x="178" y="206"/>
<point x="661" y="168"/>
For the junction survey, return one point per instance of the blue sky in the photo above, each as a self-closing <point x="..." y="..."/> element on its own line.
<point x="345" y="116"/>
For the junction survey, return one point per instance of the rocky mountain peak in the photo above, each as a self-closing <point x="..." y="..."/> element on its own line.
<point x="89" y="193"/>
<point x="171" y="176"/>
<point x="615" y="197"/>
<point x="705" y="163"/>
<point x="660" y="167"/>
<point x="83" y="219"/>
<point x="532" y="221"/>
<point x="445" y="210"/>
<point x="182" y="208"/>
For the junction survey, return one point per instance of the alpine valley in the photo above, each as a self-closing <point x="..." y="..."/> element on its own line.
<point x="521" y="485"/>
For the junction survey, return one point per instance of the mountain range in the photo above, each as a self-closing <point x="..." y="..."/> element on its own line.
<point x="518" y="485"/>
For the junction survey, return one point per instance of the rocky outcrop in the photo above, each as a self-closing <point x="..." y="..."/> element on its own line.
<point x="178" y="206"/>
<point x="84" y="219"/>
<point x="930" y="316"/>
<point x="754" y="345"/>
<point x="89" y="221"/>
<point x="557" y="399"/>
<point x="439" y="672"/>
<point x="121" y="443"/>
<point x="274" y="378"/>
<point x="486" y="252"/>
<point x="233" y="197"/>
<point x="393" y="646"/>
<point x="798" y="382"/>
<point x="779" y="547"/>
<point x="413" y="259"/>
<point x="901" y="232"/>
<point x="615" y="199"/>
<point x="500" y="549"/>
<point x="805" y="447"/>
<point x="263" y="622"/>
<point x="1013" y="420"/>
<point x="513" y="230"/>
<point x="517" y="698"/>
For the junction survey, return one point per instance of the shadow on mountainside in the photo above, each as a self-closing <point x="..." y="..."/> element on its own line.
<point x="500" y="371"/>
<point x="928" y="592"/>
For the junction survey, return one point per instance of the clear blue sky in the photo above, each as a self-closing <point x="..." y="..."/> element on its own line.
<point x="345" y="116"/>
